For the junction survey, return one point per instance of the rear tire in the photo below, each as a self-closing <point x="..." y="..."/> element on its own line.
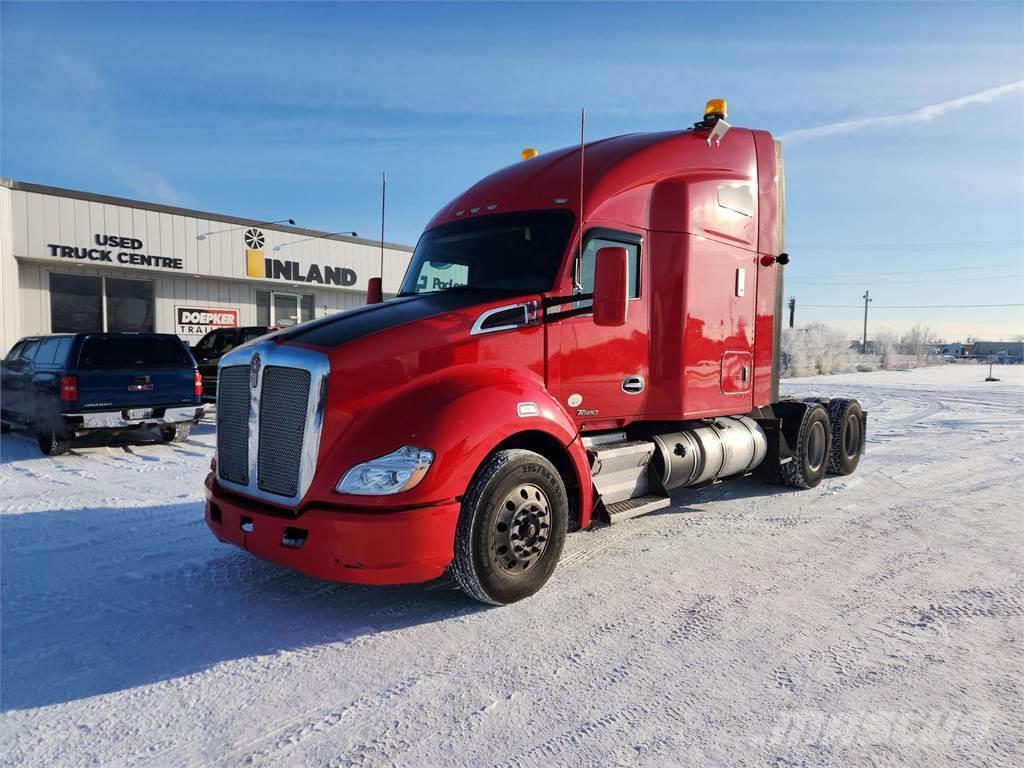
<point x="511" y="529"/>
<point x="811" y="452"/>
<point x="847" y="433"/>
<point x="51" y="442"/>
<point x="176" y="433"/>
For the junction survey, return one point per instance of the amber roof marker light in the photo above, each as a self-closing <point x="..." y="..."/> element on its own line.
<point x="528" y="153"/>
<point x="715" y="111"/>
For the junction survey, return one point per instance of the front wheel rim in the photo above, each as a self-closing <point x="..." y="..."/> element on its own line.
<point x="521" y="529"/>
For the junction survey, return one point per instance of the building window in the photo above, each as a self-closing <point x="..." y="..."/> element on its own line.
<point x="263" y="308"/>
<point x="76" y="303"/>
<point x="88" y="304"/>
<point x="129" y="305"/>
<point x="283" y="310"/>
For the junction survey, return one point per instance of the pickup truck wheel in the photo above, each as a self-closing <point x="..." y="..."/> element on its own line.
<point x="51" y="442"/>
<point x="511" y="528"/>
<point x="176" y="433"/>
<point x="847" y="433"/>
<point x="812" y="450"/>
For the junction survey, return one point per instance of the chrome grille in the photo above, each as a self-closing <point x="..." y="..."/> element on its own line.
<point x="283" y="401"/>
<point x="233" y="424"/>
<point x="270" y="414"/>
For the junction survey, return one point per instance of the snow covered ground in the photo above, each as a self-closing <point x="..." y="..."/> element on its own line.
<point x="877" y="619"/>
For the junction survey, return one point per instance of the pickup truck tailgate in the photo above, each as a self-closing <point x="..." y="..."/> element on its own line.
<point x="128" y="373"/>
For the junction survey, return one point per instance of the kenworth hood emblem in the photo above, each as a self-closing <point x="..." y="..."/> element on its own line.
<point x="254" y="371"/>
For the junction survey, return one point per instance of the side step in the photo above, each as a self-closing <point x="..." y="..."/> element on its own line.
<point x="641" y="505"/>
<point x="619" y="470"/>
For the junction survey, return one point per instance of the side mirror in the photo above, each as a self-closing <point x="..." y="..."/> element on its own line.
<point x="611" y="284"/>
<point x="375" y="291"/>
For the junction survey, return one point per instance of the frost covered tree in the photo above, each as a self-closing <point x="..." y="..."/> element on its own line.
<point x="916" y="342"/>
<point x="886" y="342"/>
<point x="816" y="349"/>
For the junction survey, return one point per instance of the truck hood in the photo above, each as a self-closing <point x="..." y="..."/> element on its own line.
<point x="346" y="327"/>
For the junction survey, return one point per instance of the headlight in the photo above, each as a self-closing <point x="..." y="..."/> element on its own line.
<point x="394" y="473"/>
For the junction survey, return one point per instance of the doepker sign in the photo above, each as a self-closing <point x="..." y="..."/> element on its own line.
<point x="195" y="321"/>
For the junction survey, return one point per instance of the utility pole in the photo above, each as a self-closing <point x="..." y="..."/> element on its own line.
<point x="792" y="309"/>
<point x="867" y="300"/>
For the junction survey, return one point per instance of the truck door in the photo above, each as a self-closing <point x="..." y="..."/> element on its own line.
<point x="16" y="377"/>
<point x="603" y="372"/>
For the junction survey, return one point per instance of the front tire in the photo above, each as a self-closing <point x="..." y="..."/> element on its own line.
<point x="812" y="450"/>
<point x="511" y="529"/>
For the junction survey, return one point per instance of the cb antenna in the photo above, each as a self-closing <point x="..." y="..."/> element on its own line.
<point x="576" y="284"/>
<point x="383" y="198"/>
<point x="583" y="120"/>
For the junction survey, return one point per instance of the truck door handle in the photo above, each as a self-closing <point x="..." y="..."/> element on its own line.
<point x="633" y="385"/>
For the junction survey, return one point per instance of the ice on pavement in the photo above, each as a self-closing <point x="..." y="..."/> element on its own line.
<point x="878" y="616"/>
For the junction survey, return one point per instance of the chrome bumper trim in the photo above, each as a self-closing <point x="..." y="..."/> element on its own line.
<point x="115" y="419"/>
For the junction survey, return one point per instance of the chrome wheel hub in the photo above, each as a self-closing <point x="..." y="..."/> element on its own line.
<point x="521" y="530"/>
<point x="817" y="439"/>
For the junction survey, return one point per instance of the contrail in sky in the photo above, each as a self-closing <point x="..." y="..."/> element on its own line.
<point x="922" y="115"/>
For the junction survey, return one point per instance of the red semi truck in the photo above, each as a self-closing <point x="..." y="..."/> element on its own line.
<point x="577" y="335"/>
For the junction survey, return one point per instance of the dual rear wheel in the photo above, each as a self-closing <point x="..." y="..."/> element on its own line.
<point x="829" y="439"/>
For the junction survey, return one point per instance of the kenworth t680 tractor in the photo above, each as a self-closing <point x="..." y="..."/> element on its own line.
<point x="577" y="336"/>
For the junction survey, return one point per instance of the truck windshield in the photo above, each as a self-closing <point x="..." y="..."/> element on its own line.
<point x="509" y="252"/>
<point x="220" y="340"/>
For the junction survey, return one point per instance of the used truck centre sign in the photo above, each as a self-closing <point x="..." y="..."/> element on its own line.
<point x="114" y="248"/>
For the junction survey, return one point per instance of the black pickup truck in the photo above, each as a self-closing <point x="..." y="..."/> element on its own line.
<point x="64" y="386"/>
<point x="217" y="343"/>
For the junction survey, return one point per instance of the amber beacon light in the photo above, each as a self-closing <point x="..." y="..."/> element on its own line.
<point x="715" y="108"/>
<point x="529" y="153"/>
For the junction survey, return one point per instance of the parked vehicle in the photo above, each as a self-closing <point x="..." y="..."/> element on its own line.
<point x="217" y="343"/>
<point x="577" y="335"/>
<point x="64" y="386"/>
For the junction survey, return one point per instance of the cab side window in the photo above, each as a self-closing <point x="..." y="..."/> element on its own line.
<point x="48" y="351"/>
<point x="594" y="244"/>
<point x="28" y="352"/>
<point x="15" y="352"/>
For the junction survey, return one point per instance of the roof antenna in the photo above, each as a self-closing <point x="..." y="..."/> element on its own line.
<point x="375" y="285"/>
<point x="583" y="120"/>
<point x="383" y="197"/>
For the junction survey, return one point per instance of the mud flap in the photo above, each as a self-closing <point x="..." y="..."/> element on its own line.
<point x="779" y="451"/>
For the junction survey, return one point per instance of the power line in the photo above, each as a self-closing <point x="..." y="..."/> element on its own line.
<point x="923" y="271"/>
<point x="882" y="247"/>
<point x="882" y="284"/>
<point x="910" y="306"/>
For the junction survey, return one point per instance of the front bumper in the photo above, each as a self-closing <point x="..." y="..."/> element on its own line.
<point x="353" y="546"/>
<point x="118" y="419"/>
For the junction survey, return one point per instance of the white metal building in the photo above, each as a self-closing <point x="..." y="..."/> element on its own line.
<point x="74" y="261"/>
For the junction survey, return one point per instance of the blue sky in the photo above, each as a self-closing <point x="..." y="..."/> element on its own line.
<point x="271" y="111"/>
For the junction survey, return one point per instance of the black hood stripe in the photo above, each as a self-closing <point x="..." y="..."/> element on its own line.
<point x="354" y="324"/>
